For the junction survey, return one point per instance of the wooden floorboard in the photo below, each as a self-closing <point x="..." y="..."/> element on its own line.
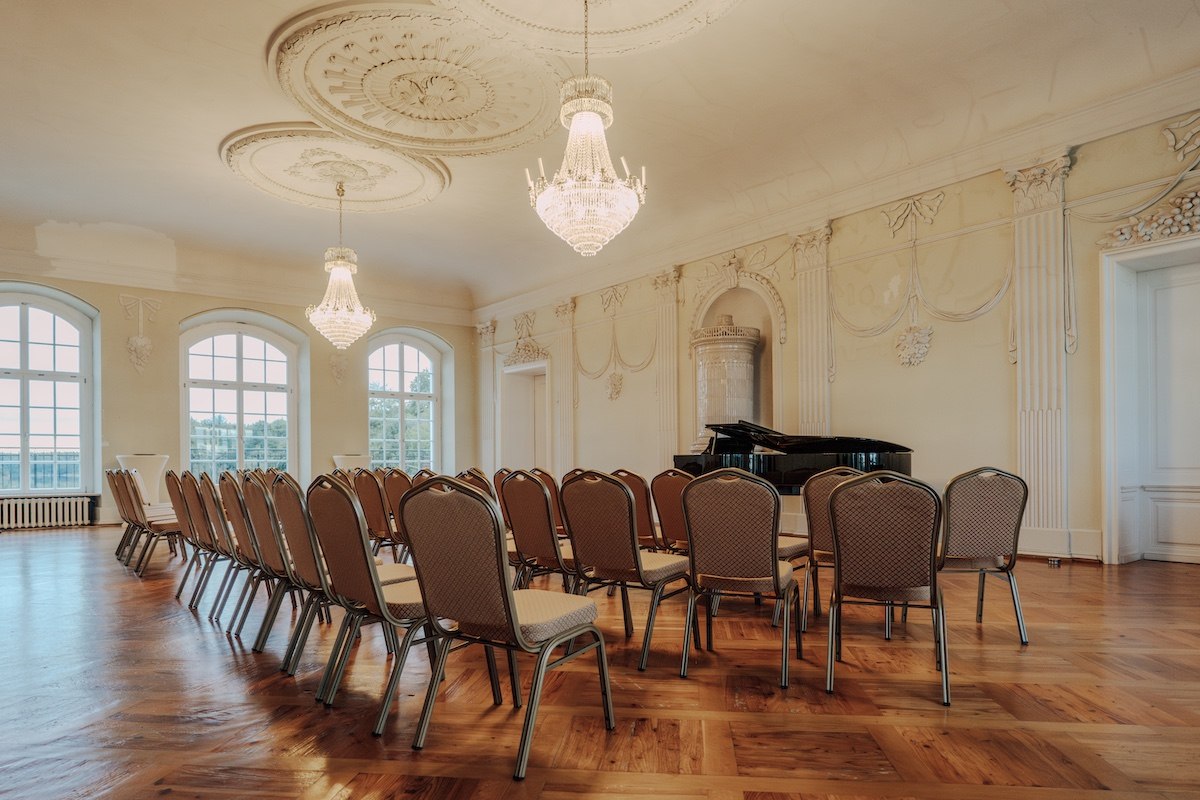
<point x="112" y="688"/>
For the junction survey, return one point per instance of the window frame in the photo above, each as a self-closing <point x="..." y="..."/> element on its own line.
<point x="440" y="361"/>
<point x="85" y="319"/>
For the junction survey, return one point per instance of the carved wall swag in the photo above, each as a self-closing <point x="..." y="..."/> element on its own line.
<point x="139" y="346"/>
<point x="923" y="207"/>
<point x="611" y="300"/>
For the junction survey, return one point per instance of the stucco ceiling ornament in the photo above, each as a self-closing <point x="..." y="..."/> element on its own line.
<point x="299" y="161"/>
<point x="139" y="346"/>
<point x="620" y="26"/>
<point x="427" y="80"/>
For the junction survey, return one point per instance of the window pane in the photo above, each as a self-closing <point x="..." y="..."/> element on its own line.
<point x="225" y="345"/>
<point x="10" y="355"/>
<point x="41" y="326"/>
<point x="67" y="394"/>
<point x="41" y="420"/>
<point x="41" y="357"/>
<point x="253" y="348"/>
<point x="202" y="347"/>
<point x="254" y="371"/>
<point x="65" y="332"/>
<point x="66" y="359"/>
<point x="10" y="392"/>
<point x="225" y="369"/>
<point x="276" y="372"/>
<point x="10" y="323"/>
<point x="200" y="367"/>
<point x="225" y="401"/>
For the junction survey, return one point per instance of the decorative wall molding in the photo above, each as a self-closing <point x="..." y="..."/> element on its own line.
<point x="756" y="274"/>
<point x="616" y="381"/>
<point x="923" y="207"/>
<point x="302" y="163"/>
<point x="139" y="346"/>
<point x="1040" y="290"/>
<point x="612" y="298"/>
<point x="486" y="331"/>
<point x="616" y="27"/>
<point x="1183" y="136"/>
<point x="1038" y="187"/>
<point x="814" y="329"/>
<point x="526" y="348"/>
<point x="912" y="345"/>
<point x="429" y="80"/>
<point x="1179" y="216"/>
<point x="565" y="311"/>
<point x="666" y="285"/>
<point x="813" y="248"/>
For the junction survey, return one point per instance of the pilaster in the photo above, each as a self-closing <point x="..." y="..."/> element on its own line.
<point x="813" y="321"/>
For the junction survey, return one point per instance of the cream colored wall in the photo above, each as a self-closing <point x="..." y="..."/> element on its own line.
<point x="140" y="411"/>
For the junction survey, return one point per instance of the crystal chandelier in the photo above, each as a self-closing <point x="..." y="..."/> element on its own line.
<point x="586" y="204"/>
<point x="340" y="317"/>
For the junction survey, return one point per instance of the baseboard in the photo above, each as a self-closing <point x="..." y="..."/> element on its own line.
<point x="1062" y="543"/>
<point x="107" y="515"/>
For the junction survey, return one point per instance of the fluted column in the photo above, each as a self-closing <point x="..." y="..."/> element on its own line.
<point x="1039" y="330"/>
<point x="666" y="285"/>
<point x="563" y="366"/>
<point x="486" y="373"/>
<point x="813" y="324"/>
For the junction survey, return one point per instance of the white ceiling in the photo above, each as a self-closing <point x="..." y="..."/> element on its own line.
<point x="113" y="112"/>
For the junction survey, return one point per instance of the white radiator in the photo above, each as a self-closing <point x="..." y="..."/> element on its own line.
<point x="44" y="512"/>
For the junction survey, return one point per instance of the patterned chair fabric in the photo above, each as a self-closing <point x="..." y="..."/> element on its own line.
<point x="459" y="548"/>
<point x="646" y="531"/>
<point x="600" y="516"/>
<point x="531" y="517"/>
<point x="395" y="483"/>
<point x="984" y="509"/>
<point x="474" y="477"/>
<point x="555" y="496"/>
<point x="422" y="475"/>
<point x="886" y="530"/>
<point x="666" y="488"/>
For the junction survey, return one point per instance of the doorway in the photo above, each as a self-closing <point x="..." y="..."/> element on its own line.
<point x="524" y="425"/>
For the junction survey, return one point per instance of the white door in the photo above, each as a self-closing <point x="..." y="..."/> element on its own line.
<point x="1169" y="422"/>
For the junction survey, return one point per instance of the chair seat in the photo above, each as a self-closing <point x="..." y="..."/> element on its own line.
<point x="763" y="585"/>
<point x="164" y="525"/>
<point x="658" y="567"/>
<point x="404" y="599"/>
<point x="543" y="615"/>
<point x="973" y="564"/>
<point x="887" y="594"/>
<point x="395" y="573"/>
<point x="792" y="546"/>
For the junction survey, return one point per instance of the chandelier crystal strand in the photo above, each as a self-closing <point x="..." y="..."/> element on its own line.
<point x="340" y="317"/>
<point x="586" y="204"/>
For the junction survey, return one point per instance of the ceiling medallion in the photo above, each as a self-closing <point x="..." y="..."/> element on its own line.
<point x="299" y="161"/>
<point x="618" y="26"/>
<point x="420" y="78"/>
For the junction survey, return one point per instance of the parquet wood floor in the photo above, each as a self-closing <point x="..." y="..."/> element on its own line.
<point x="112" y="688"/>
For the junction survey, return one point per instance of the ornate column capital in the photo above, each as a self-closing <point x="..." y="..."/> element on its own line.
<point x="565" y="311"/>
<point x="813" y="247"/>
<point x="1039" y="187"/>
<point x="666" y="284"/>
<point x="486" y="332"/>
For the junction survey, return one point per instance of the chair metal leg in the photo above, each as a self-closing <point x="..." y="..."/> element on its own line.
<point x="268" y="621"/>
<point x="489" y="653"/>
<point x="802" y="615"/>
<point x="246" y="584"/>
<point x="535" y="698"/>
<point x="655" y="599"/>
<point x="815" y="568"/>
<point x="783" y="635"/>
<point x="889" y="617"/>
<point x="625" y="610"/>
<point x="800" y="606"/>
<point x="435" y="679"/>
<point x="299" y="632"/>
<point x="394" y="679"/>
<point x="144" y="559"/>
<point x="833" y="633"/>
<point x="710" y="610"/>
<point x="126" y="535"/>
<point x="242" y="609"/>
<point x="610" y="719"/>
<point x="688" y="622"/>
<point x="340" y="643"/>
<point x="351" y="640"/>
<point x="1016" y="596"/>
<point x="514" y="678"/>
<point x="202" y="580"/>
<point x="192" y="562"/>
<point x="979" y="599"/>
<point x="944" y="648"/>
<point x="223" y="591"/>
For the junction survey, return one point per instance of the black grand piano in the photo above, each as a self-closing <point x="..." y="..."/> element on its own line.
<point x="795" y="457"/>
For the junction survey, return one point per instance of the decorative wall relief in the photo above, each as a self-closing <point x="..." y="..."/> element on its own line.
<point x="611" y="300"/>
<point x="912" y="345"/>
<point x="1179" y="216"/>
<point x="754" y="273"/>
<point x="1040" y="186"/>
<point x="339" y="362"/>
<point x="1183" y="136"/>
<point x="924" y="207"/>
<point x="139" y="346"/>
<point x="486" y="332"/>
<point x="526" y="349"/>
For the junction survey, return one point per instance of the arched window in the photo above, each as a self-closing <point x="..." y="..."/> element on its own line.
<point x="47" y="439"/>
<point x="403" y="406"/>
<point x="240" y="399"/>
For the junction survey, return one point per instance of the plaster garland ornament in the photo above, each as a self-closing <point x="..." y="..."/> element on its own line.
<point x="1040" y="186"/>
<point x="923" y="207"/>
<point x="616" y="381"/>
<point x="298" y="161"/>
<point x="620" y="27"/>
<point x="733" y="273"/>
<point x="612" y="298"/>
<point x="912" y="345"/>
<point x="486" y="332"/>
<point x="526" y="349"/>
<point x="339" y="362"/>
<point x="425" y="79"/>
<point x="139" y="346"/>
<point x="1183" y="136"/>
<point x="1179" y="216"/>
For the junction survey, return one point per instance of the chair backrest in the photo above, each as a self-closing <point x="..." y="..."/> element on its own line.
<point x="816" y="505"/>
<point x="264" y="527"/>
<point x="732" y="520"/>
<point x="343" y="476"/>
<point x="983" y="511"/>
<point x="647" y="535"/>
<point x="291" y="511"/>
<point x="179" y="505"/>
<point x="498" y="479"/>
<point x="133" y="497"/>
<point x="197" y="513"/>
<point x="474" y="477"/>
<point x="666" y="489"/>
<point x="120" y="492"/>
<point x="461" y="558"/>
<point x="395" y="483"/>
<point x="531" y="517"/>
<point x="229" y="486"/>
<point x="885" y="535"/>
<point x="223" y="537"/>
<point x="599" y="512"/>
<point x="422" y="475"/>
<point x="341" y="531"/>
<point x="369" y="490"/>
<point x="572" y="473"/>
<point x="555" y="496"/>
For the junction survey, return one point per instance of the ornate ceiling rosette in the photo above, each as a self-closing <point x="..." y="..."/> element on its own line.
<point x="301" y="162"/>
<point x="617" y="26"/>
<point x="424" y="79"/>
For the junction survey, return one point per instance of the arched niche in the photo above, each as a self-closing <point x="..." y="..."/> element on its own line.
<point x="749" y="309"/>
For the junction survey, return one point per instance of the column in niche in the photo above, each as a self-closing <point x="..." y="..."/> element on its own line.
<point x="1038" y="295"/>
<point x="666" y="284"/>
<point x="562" y="373"/>
<point x="812" y="260"/>
<point x="726" y="375"/>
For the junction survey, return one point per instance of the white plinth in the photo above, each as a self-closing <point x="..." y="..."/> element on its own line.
<point x="349" y="461"/>
<point x="148" y="469"/>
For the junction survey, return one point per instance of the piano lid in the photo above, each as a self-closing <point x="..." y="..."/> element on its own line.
<point x="747" y="434"/>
